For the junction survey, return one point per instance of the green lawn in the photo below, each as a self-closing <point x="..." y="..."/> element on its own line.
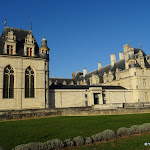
<point x="39" y="130"/>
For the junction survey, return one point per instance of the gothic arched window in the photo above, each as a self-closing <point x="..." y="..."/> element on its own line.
<point x="8" y="82"/>
<point x="29" y="82"/>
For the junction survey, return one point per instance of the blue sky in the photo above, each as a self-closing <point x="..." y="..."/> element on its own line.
<point x="81" y="33"/>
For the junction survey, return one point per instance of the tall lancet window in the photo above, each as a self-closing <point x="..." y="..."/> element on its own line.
<point x="8" y="82"/>
<point x="29" y="82"/>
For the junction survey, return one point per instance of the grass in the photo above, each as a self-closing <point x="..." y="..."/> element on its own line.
<point x="18" y="132"/>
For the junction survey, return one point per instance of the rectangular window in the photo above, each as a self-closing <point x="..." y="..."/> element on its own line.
<point x="29" y="51"/>
<point x="9" y="49"/>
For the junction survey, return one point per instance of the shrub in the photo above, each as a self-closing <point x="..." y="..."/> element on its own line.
<point x="53" y="144"/>
<point x="88" y="140"/>
<point x="135" y="129"/>
<point x="68" y="142"/>
<point x="97" y="137"/>
<point x="108" y="135"/>
<point x="144" y="128"/>
<point x="123" y="131"/>
<point x="29" y="146"/>
<point x="79" y="141"/>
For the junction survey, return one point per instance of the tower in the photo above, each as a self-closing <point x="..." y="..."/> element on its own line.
<point x="44" y="53"/>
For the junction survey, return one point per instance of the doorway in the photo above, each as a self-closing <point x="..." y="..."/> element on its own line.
<point x="96" y="98"/>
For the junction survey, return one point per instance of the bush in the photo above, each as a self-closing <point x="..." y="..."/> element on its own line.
<point x="123" y="132"/>
<point x="88" y="140"/>
<point x="108" y="135"/>
<point x="53" y="144"/>
<point x="68" y="142"/>
<point x="144" y="128"/>
<point x="79" y="141"/>
<point x="97" y="137"/>
<point x="29" y="146"/>
<point x="135" y="129"/>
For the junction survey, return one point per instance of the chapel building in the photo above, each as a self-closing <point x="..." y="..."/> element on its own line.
<point x="24" y="70"/>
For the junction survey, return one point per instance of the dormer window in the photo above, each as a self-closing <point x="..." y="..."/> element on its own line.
<point x="29" y="46"/>
<point x="9" y="49"/>
<point x="29" y="51"/>
<point x="10" y="44"/>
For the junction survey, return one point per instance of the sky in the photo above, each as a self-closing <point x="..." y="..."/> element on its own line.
<point x="81" y="33"/>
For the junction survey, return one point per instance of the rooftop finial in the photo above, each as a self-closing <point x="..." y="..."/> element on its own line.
<point x="31" y="25"/>
<point x="141" y="45"/>
<point x="129" y="43"/>
<point x="43" y="34"/>
<point x="5" y="22"/>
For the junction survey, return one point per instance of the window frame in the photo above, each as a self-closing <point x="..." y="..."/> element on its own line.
<point x="29" y="83"/>
<point x="8" y="83"/>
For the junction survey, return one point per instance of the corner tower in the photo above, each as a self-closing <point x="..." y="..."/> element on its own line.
<point x="44" y="53"/>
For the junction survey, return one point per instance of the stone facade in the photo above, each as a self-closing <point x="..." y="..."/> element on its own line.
<point x="22" y="90"/>
<point x="131" y="72"/>
<point x="25" y="82"/>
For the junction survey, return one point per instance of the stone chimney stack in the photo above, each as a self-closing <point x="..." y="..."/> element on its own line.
<point x="84" y="72"/>
<point x="77" y="71"/>
<point x="113" y="59"/>
<point x="121" y="56"/>
<point x="99" y="65"/>
<point x="73" y="75"/>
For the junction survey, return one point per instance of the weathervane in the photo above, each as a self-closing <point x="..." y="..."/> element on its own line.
<point x="43" y="34"/>
<point x="5" y="22"/>
<point x="31" y="25"/>
<point x="129" y="43"/>
<point x="141" y="45"/>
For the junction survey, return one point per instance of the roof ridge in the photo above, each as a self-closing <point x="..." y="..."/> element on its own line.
<point x="17" y="29"/>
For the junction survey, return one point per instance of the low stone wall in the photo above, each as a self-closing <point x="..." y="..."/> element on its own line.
<point x="77" y="111"/>
<point x="108" y="106"/>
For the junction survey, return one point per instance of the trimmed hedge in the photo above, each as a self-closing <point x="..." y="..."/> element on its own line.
<point x="106" y="135"/>
<point x="79" y="141"/>
<point x="123" y="131"/>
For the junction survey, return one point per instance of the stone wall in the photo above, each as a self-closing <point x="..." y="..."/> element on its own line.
<point x="76" y="111"/>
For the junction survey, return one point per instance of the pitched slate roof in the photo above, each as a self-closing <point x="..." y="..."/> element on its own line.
<point x="60" y="81"/>
<point x="119" y="64"/>
<point x="20" y="40"/>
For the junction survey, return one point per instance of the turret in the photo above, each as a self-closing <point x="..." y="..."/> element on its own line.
<point x="44" y="50"/>
<point x="44" y="53"/>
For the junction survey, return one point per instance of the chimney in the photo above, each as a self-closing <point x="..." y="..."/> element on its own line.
<point x="73" y="75"/>
<point x="121" y="56"/>
<point x="77" y="71"/>
<point x="99" y="65"/>
<point x="84" y="72"/>
<point x="113" y="59"/>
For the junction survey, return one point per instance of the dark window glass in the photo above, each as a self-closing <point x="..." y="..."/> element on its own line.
<point x="29" y="82"/>
<point x="8" y="82"/>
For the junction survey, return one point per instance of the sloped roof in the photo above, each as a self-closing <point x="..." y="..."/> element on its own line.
<point x="20" y="40"/>
<point x="119" y="64"/>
